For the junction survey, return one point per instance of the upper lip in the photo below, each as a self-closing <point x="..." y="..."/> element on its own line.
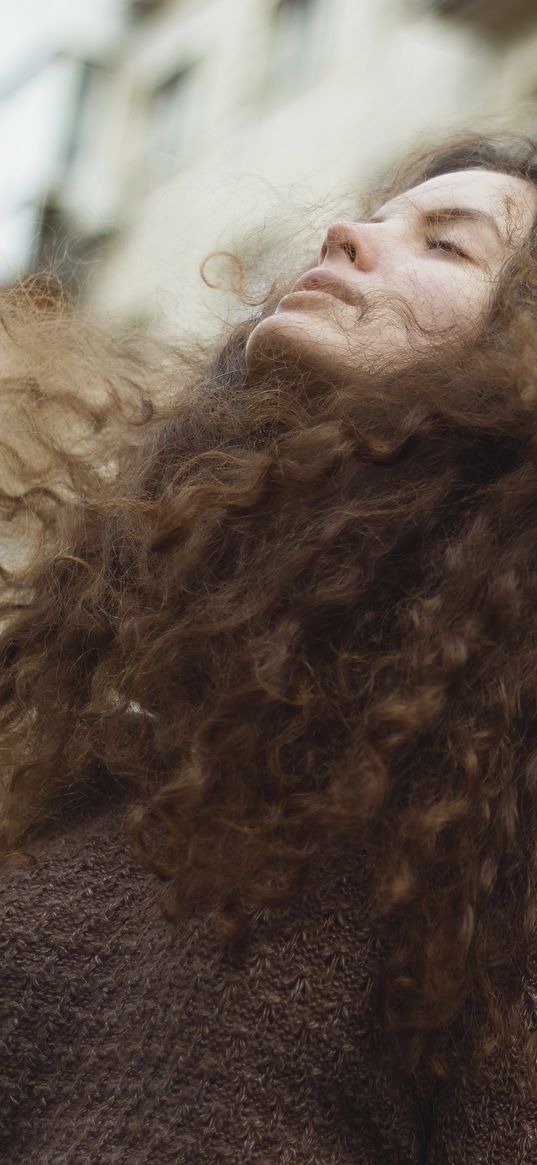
<point x="320" y="277"/>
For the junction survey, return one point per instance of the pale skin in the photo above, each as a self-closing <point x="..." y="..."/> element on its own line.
<point x="445" y="271"/>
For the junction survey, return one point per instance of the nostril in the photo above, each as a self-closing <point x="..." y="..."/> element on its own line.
<point x="341" y="236"/>
<point x="349" y="249"/>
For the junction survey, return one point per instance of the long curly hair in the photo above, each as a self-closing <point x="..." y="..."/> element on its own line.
<point x="286" y="620"/>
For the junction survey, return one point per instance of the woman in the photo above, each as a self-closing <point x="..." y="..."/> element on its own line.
<point x="276" y="650"/>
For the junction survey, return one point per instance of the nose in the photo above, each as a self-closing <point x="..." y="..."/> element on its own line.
<point x="352" y="238"/>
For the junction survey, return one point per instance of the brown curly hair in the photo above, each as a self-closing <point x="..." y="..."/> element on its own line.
<point x="288" y="619"/>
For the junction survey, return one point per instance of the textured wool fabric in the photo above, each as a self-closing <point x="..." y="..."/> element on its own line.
<point x="125" y="1038"/>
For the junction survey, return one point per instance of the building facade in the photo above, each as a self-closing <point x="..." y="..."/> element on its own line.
<point x="181" y="127"/>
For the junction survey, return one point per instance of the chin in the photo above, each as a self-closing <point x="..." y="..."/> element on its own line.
<point x="300" y="337"/>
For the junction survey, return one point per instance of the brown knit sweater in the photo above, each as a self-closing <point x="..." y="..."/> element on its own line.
<point x="126" y="1039"/>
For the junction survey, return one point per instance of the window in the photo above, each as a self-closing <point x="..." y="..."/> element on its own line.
<point x="85" y="113"/>
<point x="139" y="9"/>
<point x="172" y="118"/>
<point x="297" y="41"/>
<point x="495" y="15"/>
<point x="66" y="251"/>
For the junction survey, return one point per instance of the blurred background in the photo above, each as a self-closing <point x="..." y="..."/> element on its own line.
<point x="137" y="136"/>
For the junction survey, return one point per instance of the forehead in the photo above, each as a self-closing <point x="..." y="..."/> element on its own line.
<point x="511" y="199"/>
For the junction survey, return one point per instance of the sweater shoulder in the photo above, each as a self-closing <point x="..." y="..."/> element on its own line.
<point x="69" y="875"/>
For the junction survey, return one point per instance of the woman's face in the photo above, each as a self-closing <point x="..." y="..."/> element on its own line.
<point x="437" y="250"/>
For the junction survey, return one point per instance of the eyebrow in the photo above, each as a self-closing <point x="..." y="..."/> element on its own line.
<point x="448" y="214"/>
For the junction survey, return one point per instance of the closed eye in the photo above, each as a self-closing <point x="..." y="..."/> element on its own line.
<point x="446" y="245"/>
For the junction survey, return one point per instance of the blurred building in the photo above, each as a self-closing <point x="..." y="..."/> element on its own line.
<point x="53" y="61"/>
<point x="157" y="131"/>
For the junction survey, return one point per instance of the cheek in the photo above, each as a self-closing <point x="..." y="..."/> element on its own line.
<point x="447" y="297"/>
